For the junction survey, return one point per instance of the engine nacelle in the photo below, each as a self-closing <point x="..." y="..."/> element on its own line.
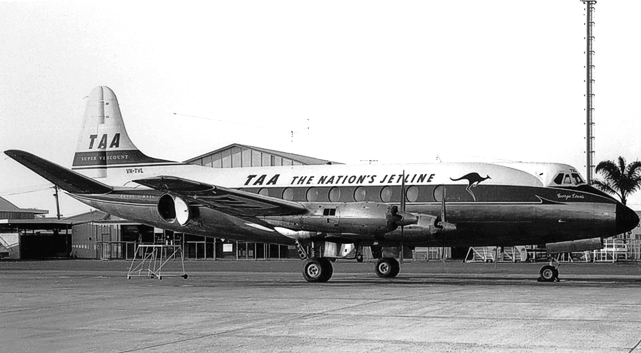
<point x="575" y="246"/>
<point x="173" y="209"/>
<point x="356" y="218"/>
<point x="425" y="226"/>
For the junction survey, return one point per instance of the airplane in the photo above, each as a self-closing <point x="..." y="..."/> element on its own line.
<point x="336" y="210"/>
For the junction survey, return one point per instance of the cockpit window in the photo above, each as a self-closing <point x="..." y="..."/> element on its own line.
<point x="577" y="179"/>
<point x="559" y="179"/>
<point x="568" y="179"/>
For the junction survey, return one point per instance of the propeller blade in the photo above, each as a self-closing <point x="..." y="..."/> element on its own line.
<point x="402" y="212"/>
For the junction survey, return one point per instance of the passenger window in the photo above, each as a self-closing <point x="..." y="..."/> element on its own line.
<point x="360" y="193"/>
<point x="334" y="194"/>
<point x="312" y="194"/>
<point x="288" y="194"/>
<point x="386" y="194"/>
<point x="412" y="193"/>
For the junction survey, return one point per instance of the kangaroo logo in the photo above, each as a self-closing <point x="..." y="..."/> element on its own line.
<point x="473" y="179"/>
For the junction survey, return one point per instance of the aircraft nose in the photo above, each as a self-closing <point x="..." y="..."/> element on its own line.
<point x="626" y="219"/>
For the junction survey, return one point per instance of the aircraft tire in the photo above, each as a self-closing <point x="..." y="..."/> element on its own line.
<point x="328" y="269"/>
<point x="548" y="273"/>
<point x="387" y="267"/>
<point x="317" y="270"/>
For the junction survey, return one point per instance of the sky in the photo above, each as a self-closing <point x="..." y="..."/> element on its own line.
<point x="350" y="81"/>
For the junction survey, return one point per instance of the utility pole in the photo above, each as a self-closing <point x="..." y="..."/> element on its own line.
<point x="589" y="95"/>
<point x="55" y="187"/>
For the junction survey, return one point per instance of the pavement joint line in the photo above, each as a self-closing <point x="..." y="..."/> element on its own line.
<point x="636" y="347"/>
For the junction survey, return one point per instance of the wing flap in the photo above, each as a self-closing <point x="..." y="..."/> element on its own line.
<point x="235" y="202"/>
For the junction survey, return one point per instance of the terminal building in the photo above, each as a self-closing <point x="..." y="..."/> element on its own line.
<point x="26" y="234"/>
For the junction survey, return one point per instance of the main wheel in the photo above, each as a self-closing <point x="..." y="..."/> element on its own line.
<point x="317" y="270"/>
<point x="549" y="273"/>
<point x="387" y="267"/>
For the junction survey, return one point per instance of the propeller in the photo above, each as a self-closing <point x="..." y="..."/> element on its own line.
<point x="403" y="201"/>
<point x="443" y="223"/>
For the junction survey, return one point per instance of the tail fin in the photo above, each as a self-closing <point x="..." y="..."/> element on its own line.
<point x="64" y="178"/>
<point x="104" y="142"/>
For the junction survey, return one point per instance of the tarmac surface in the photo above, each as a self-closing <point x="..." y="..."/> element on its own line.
<point x="267" y="306"/>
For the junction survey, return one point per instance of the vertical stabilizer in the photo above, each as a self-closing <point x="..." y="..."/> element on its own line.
<point x="104" y="143"/>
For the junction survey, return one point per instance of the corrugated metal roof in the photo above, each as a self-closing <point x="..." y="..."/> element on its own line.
<point x="306" y="160"/>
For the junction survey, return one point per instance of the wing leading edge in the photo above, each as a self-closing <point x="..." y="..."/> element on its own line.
<point x="233" y="202"/>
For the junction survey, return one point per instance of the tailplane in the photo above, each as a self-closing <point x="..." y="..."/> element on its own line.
<point x="104" y="143"/>
<point x="64" y="178"/>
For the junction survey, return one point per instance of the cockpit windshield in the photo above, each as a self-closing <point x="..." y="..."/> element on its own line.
<point x="569" y="179"/>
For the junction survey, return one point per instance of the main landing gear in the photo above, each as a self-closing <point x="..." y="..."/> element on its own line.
<point x="550" y="272"/>
<point x="318" y="269"/>
<point x="387" y="267"/>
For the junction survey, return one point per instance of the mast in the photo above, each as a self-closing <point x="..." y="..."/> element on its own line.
<point x="589" y="94"/>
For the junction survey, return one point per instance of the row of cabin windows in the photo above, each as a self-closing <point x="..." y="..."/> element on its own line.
<point x="350" y="194"/>
<point x="237" y="157"/>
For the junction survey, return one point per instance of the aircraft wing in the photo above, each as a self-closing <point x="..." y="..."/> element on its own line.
<point x="233" y="202"/>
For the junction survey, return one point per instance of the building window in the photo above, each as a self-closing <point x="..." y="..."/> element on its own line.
<point x="207" y="161"/>
<point x="246" y="158"/>
<point x="256" y="159"/>
<point x="217" y="160"/>
<point x="236" y="158"/>
<point x="226" y="159"/>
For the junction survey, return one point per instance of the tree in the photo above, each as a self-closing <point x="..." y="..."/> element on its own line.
<point x="619" y="179"/>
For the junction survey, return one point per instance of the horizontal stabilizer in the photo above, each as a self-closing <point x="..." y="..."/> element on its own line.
<point x="62" y="177"/>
